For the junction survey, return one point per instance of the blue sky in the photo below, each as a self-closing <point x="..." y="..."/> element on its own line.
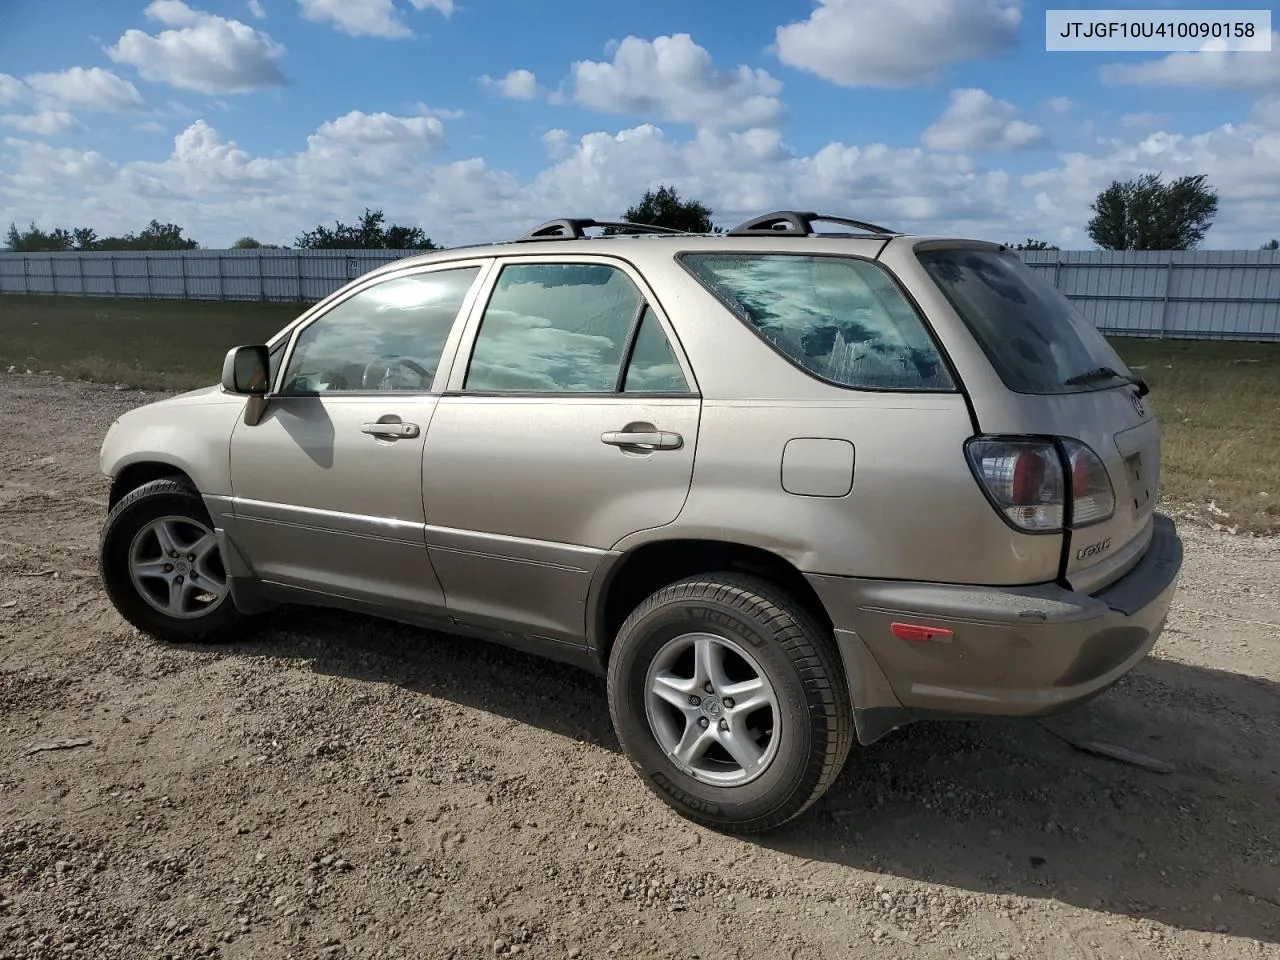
<point x="477" y="118"/>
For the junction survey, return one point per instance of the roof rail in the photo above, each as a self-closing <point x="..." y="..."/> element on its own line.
<point x="571" y="229"/>
<point x="791" y="222"/>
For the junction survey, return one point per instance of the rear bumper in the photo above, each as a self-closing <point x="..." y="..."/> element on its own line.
<point x="1015" y="651"/>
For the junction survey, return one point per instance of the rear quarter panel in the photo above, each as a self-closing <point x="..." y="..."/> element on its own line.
<point x="915" y="510"/>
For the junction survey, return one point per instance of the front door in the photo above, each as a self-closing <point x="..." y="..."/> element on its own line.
<point x="328" y="484"/>
<point x="569" y="422"/>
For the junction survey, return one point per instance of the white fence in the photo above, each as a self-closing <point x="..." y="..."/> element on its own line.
<point x="1199" y="294"/>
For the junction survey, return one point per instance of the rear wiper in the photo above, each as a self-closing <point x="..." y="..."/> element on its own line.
<point x="1107" y="373"/>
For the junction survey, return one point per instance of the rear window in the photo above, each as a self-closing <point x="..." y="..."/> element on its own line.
<point x="841" y="319"/>
<point x="1033" y="336"/>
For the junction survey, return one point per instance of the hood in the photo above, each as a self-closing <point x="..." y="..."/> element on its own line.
<point x="212" y="394"/>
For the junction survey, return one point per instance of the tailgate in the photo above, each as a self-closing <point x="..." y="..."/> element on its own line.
<point x="1055" y="375"/>
<point x="1120" y="428"/>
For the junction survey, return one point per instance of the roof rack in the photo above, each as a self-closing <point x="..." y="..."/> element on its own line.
<point x="791" y="222"/>
<point x="571" y="229"/>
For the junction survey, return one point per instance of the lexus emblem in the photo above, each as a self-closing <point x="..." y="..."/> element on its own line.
<point x="1138" y="404"/>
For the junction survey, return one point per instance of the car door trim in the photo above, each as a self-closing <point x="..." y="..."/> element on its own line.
<point x="329" y="521"/>
<point x="569" y="557"/>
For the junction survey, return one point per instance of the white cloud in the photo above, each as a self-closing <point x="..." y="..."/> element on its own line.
<point x="219" y="191"/>
<point x="1266" y="112"/>
<point x="11" y="89"/>
<point x="1143" y="121"/>
<point x="201" y="51"/>
<point x="1061" y="105"/>
<point x="444" y="6"/>
<point x="1252" y="71"/>
<point x="1239" y="162"/>
<point x="46" y="123"/>
<point x="672" y="78"/>
<point x="78" y="88"/>
<point x="975" y="120"/>
<point x="172" y="13"/>
<point x="441" y="113"/>
<point x="557" y="143"/>
<point x="516" y="85"/>
<point x="368" y="18"/>
<point x="897" y="43"/>
<point x="359" y="18"/>
<point x="371" y="131"/>
<point x="256" y="9"/>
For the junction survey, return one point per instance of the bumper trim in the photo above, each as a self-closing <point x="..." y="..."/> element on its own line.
<point x="1017" y="651"/>
<point x="1158" y="567"/>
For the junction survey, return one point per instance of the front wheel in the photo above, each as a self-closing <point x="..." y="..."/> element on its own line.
<point x="730" y="702"/>
<point x="162" y="567"/>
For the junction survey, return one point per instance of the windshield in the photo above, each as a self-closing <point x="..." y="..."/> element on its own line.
<point x="1034" y="337"/>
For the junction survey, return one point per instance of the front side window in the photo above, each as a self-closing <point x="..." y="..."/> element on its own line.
<point x="555" y="327"/>
<point x="388" y="337"/>
<point x="274" y="356"/>
<point x="839" y="318"/>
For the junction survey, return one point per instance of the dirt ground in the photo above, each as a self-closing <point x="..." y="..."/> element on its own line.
<point x="347" y="788"/>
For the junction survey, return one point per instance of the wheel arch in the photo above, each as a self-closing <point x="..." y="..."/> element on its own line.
<point x="638" y="572"/>
<point x="134" y="475"/>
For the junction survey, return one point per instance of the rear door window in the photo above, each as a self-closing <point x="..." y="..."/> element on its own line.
<point x="1033" y="335"/>
<point x="841" y="319"/>
<point x="571" y="328"/>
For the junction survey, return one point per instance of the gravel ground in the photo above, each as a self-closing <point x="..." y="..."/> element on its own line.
<point x="347" y="788"/>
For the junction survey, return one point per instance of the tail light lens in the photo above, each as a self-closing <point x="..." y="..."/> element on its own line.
<point x="1024" y="480"/>
<point x="1093" y="499"/>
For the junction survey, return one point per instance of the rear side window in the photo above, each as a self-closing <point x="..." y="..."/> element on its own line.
<point x="841" y="319"/>
<point x="653" y="367"/>
<point x="1033" y="336"/>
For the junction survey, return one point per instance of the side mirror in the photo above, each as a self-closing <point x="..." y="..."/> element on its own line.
<point x="245" y="371"/>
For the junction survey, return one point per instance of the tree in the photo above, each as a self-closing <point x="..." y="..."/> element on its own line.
<point x="664" y="208"/>
<point x="155" y="236"/>
<point x="1146" y="214"/>
<point x="1031" y="244"/>
<point x="35" y="240"/>
<point x="162" y="236"/>
<point x="249" y="243"/>
<point x="1272" y="244"/>
<point x="368" y="234"/>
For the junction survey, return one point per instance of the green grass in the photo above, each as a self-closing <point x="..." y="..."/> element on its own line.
<point x="1219" y="409"/>
<point x="1218" y="402"/>
<point x="156" y="344"/>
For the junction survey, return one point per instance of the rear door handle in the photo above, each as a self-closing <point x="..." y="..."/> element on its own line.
<point x="656" y="440"/>
<point x="391" y="431"/>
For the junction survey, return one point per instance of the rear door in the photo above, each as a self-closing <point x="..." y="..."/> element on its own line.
<point x="569" y="422"/>
<point x="1056" y="375"/>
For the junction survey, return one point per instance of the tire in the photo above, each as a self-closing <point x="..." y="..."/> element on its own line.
<point x="130" y="544"/>
<point x="757" y="628"/>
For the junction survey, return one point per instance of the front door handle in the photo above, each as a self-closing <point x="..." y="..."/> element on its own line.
<point x="391" y="431"/>
<point x="649" y="440"/>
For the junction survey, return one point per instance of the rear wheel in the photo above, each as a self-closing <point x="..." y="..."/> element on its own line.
<point x="730" y="701"/>
<point x="162" y="567"/>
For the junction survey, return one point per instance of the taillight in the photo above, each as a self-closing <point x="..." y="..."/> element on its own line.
<point x="1092" y="497"/>
<point x="1024" y="480"/>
